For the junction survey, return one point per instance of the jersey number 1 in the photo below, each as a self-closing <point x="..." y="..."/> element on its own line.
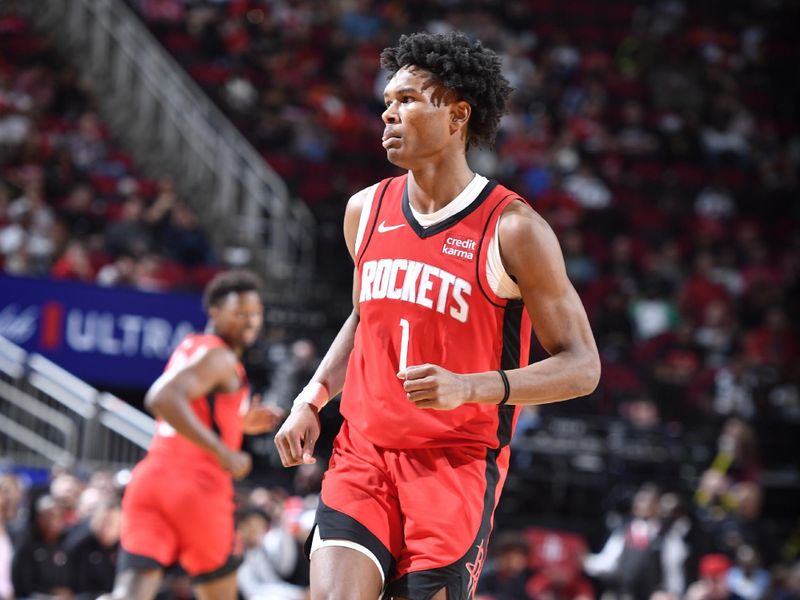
<point x="404" y="326"/>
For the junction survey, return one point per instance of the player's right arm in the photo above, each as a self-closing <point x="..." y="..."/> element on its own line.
<point x="170" y="395"/>
<point x="299" y="433"/>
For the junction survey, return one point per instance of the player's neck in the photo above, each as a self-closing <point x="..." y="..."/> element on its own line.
<point x="434" y="186"/>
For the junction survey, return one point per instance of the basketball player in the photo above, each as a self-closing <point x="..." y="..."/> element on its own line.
<point x="451" y="270"/>
<point x="178" y="506"/>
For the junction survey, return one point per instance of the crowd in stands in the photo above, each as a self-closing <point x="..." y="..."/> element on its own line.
<point x="660" y="140"/>
<point x="72" y="205"/>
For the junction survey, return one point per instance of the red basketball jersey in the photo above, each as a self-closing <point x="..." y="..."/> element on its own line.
<point x="425" y="298"/>
<point x="221" y="412"/>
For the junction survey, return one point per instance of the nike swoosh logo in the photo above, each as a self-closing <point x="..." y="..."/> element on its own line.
<point x="383" y="227"/>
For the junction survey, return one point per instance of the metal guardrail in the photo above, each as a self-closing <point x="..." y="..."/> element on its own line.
<point x="48" y="416"/>
<point x="172" y="126"/>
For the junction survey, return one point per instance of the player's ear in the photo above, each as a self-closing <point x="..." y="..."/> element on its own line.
<point x="460" y="112"/>
<point x="213" y="312"/>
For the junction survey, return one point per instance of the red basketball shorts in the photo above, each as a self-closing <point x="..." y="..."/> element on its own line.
<point x="425" y="514"/>
<point x="174" y="515"/>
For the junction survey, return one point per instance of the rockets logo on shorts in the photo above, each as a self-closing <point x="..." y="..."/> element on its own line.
<point x="474" y="568"/>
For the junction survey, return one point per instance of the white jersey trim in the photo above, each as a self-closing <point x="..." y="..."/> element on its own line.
<point x="369" y="194"/>
<point x="456" y="205"/>
<point x="500" y="281"/>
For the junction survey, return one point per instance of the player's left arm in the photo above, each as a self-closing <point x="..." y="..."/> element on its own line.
<point x="532" y="256"/>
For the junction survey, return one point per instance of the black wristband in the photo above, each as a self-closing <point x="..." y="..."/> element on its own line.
<point x="506" y="387"/>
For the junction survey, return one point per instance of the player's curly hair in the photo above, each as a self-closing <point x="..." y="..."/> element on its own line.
<point x="235" y="281"/>
<point x="463" y="66"/>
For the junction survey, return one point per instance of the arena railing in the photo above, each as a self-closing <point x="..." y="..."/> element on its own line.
<point x="50" y="417"/>
<point x="172" y="127"/>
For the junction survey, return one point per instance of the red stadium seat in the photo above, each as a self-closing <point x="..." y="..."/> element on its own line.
<point x="550" y="547"/>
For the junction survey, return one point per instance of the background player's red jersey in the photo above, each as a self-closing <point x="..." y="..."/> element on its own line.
<point x="425" y="298"/>
<point x="221" y="412"/>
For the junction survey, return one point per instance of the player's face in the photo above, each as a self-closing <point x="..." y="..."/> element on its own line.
<point x="238" y="318"/>
<point x="417" y="120"/>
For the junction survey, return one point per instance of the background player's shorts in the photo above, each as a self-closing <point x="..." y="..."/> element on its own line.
<point x="174" y="515"/>
<point x="425" y="514"/>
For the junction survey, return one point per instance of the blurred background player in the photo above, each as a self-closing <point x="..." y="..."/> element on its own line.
<point x="178" y="506"/>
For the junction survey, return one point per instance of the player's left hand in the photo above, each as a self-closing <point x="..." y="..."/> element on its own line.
<point x="261" y="418"/>
<point x="432" y="386"/>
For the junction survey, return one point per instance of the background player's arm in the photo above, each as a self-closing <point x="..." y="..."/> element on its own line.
<point x="298" y="435"/>
<point x="171" y="393"/>
<point x="532" y="255"/>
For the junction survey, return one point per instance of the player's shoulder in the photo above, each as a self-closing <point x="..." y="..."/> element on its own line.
<point x="201" y="341"/>
<point x="355" y="215"/>
<point x="362" y="197"/>
<point x="520" y="216"/>
<point x="522" y="232"/>
<point x="207" y="347"/>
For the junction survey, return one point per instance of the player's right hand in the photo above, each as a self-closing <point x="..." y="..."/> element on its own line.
<point x="238" y="464"/>
<point x="297" y="436"/>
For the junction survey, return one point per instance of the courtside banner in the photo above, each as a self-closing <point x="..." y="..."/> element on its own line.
<point x="113" y="336"/>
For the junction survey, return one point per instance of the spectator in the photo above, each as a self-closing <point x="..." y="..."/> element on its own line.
<point x="581" y="268"/>
<point x="747" y="579"/>
<point x="12" y="516"/>
<point x="92" y="548"/>
<point x="786" y="585"/>
<point x="716" y="334"/>
<point x="182" y="238"/>
<point x="774" y="345"/>
<point x="678" y="544"/>
<point x="589" y="190"/>
<point x="713" y="582"/>
<point x="701" y="290"/>
<point x="729" y="496"/>
<point x="508" y="573"/>
<point x="630" y="558"/>
<point x="130" y="234"/>
<point x="653" y="312"/>
<point x="81" y="212"/>
<point x="87" y="144"/>
<point x="66" y="489"/>
<point x="75" y="263"/>
<point x="41" y="564"/>
<point x="262" y="574"/>
<point x="120" y="272"/>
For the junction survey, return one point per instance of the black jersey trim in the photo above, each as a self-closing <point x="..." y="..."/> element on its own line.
<point x="426" y="232"/>
<point x="365" y="244"/>
<point x="130" y="561"/>
<point x="230" y="565"/>
<point x="211" y="399"/>
<point x="480" y="249"/>
<point x="509" y="359"/>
